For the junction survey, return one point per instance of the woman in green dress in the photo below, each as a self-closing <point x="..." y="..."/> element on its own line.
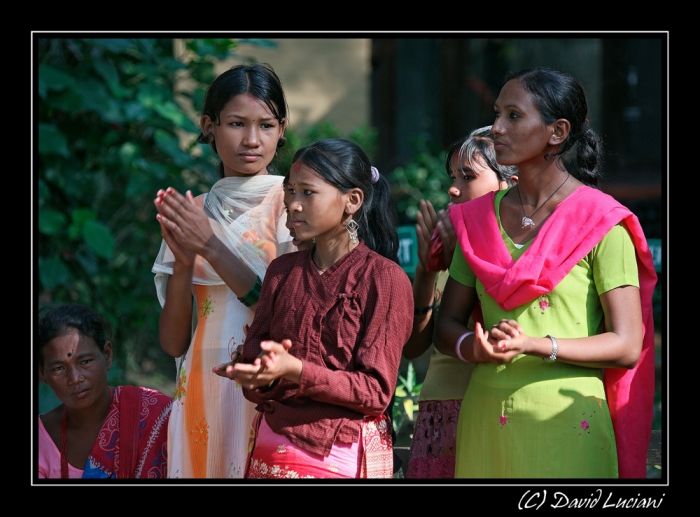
<point x="564" y="382"/>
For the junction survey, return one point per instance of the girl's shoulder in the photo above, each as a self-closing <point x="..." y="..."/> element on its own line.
<point x="288" y="261"/>
<point x="383" y="270"/>
<point x="374" y="259"/>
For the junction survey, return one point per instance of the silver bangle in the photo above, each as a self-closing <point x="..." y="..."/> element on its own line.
<point x="555" y="349"/>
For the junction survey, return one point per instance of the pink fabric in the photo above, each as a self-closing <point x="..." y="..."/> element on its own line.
<point x="575" y="227"/>
<point x="436" y="257"/>
<point x="274" y="456"/>
<point x="50" y="457"/>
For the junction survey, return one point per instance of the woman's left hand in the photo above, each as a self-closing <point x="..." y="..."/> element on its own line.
<point x="504" y="341"/>
<point x="426" y="219"/>
<point x="273" y="362"/>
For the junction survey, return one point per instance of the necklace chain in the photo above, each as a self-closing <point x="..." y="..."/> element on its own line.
<point x="321" y="269"/>
<point x="526" y="221"/>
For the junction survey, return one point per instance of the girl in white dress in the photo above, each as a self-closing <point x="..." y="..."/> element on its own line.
<point x="215" y="251"/>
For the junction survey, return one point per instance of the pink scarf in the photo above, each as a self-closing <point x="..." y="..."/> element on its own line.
<point x="574" y="228"/>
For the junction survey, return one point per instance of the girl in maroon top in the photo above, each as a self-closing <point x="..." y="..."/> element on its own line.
<point x="322" y="355"/>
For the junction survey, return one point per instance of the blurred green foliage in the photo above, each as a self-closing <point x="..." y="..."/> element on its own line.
<point x="424" y="177"/>
<point x="405" y="408"/>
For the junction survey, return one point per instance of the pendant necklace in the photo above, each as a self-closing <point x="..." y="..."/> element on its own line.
<point x="526" y="221"/>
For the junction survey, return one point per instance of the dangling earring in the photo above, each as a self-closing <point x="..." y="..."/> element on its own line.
<point x="351" y="226"/>
<point x="313" y="240"/>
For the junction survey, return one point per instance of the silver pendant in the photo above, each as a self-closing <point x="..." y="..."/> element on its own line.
<point x="527" y="222"/>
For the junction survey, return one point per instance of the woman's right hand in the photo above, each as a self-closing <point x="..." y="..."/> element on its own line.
<point x="426" y="220"/>
<point x="181" y="254"/>
<point x="186" y="222"/>
<point x="447" y="235"/>
<point x="503" y="343"/>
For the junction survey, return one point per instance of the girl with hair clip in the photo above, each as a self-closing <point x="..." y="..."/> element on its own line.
<point x="322" y="355"/>
<point x="215" y="251"/>
<point x="563" y="385"/>
<point x="471" y="164"/>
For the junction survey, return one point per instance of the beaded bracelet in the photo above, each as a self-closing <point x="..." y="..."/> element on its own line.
<point x="253" y="295"/>
<point x="423" y="310"/>
<point x="459" y="343"/>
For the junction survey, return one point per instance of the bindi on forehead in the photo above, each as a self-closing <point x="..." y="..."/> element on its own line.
<point x="69" y="354"/>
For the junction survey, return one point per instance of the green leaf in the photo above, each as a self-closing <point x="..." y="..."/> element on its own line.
<point x="109" y="73"/>
<point x="79" y="216"/>
<point x="140" y="183"/>
<point x="82" y="214"/>
<point x="212" y="48"/>
<point x="170" y="145"/>
<point x="151" y="94"/>
<point x="172" y="112"/>
<point x="52" y="79"/>
<point x="99" y="238"/>
<point x="52" y="140"/>
<point x="51" y="221"/>
<point x="53" y="272"/>
<point x="89" y="263"/>
<point x="408" y="408"/>
<point x="93" y="94"/>
<point x="128" y="152"/>
<point x="134" y="111"/>
<point x="115" y="45"/>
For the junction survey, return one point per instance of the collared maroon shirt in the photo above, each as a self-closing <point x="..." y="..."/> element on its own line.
<point x="348" y="326"/>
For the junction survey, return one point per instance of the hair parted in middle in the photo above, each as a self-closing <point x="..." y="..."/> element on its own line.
<point x="260" y="81"/>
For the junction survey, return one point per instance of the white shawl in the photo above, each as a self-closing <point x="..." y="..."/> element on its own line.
<point x="248" y="215"/>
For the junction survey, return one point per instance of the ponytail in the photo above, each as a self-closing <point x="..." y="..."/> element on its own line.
<point x="589" y="153"/>
<point x="378" y="221"/>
